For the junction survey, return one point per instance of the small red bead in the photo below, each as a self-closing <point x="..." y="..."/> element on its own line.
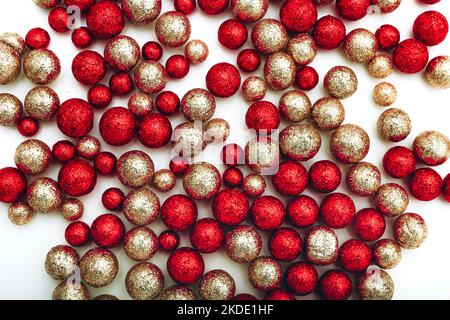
<point x="291" y="178"/>
<point x="301" y="278"/>
<point x="233" y="177"/>
<point x="81" y="38"/>
<point x="13" y="184"/>
<point x="185" y="6"/>
<point x="306" y="78"/>
<point x="28" y="126"/>
<point x="267" y="213"/>
<point x="352" y="9"/>
<point x="223" y="80"/>
<point x="117" y="126"/>
<point x="167" y="103"/>
<point x="446" y="188"/>
<point x="99" y="96"/>
<point x="388" y="36"/>
<point x="425" y="184"/>
<point x="329" y="32"/>
<point x="355" y="256"/>
<point x="248" y="60"/>
<point x="178" y="166"/>
<point x="232" y="34"/>
<point x="75" y="118"/>
<point x="302" y="211"/>
<point x="58" y="19"/>
<point x="63" y="151"/>
<point x="88" y="67"/>
<point x="213" y="7"/>
<point x="185" y="266"/>
<point x="338" y="210"/>
<point x="112" y="199"/>
<point x="77" y="234"/>
<point x="298" y="16"/>
<point x="410" y="56"/>
<point x="107" y="230"/>
<point x="169" y="240"/>
<point x="152" y="51"/>
<point x="232" y="155"/>
<point x="263" y="117"/>
<point x="230" y="207"/>
<point x="177" y="66"/>
<point x="285" y="244"/>
<point x="335" y="285"/>
<point x="325" y="176"/>
<point x="154" y="130"/>
<point x="105" y="20"/>
<point x="179" y="212"/>
<point x="369" y="224"/>
<point x="279" y="295"/>
<point x="207" y="235"/>
<point x="105" y="163"/>
<point x="37" y="38"/>
<point x="399" y="162"/>
<point x="121" y="84"/>
<point x="77" y="177"/>
<point x="430" y="28"/>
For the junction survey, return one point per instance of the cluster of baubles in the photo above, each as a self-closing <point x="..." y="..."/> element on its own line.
<point x="286" y="63"/>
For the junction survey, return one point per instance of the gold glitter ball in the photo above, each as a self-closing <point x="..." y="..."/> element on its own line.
<point x="360" y="45"/>
<point x="122" y="53"/>
<point x="72" y="209"/>
<point x="375" y="285"/>
<point x="198" y="105"/>
<point x="437" y="72"/>
<point x="164" y="180"/>
<point x="88" y="147"/>
<point x="188" y="139"/>
<point x="41" y="66"/>
<point x="41" y="103"/>
<point x="380" y="66"/>
<point x="349" y="143"/>
<point x="300" y="142"/>
<point x="71" y="290"/>
<point x="394" y="125"/>
<point x="61" y="262"/>
<point x="387" y="253"/>
<point x="196" y="51"/>
<point x="321" y="246"/>
<point x="262" y="155"/>
<point x="363" y="178"/>
<point x="144" y="281"/>
<point x="432" y="148"/>
<point x="384" y="94"/>
<point x="44" y="195"/>
<point x="141" y="11"/>
<point x="340" y="82"/>
<point x="217" y="285"/>
<point x="135" y="169"/>
<point x="202" y="181"/>
<point x="410" y="230"/>
<point x="265" y="273"/>
<point x="249" y="10"/>
<point x="33" y="157"/>
<point x="140" y="243"/>
<point x="141" y="206"/>
<point x="254" y="88"/>
<point x="178" y="293"/>
<point x="11" y="110"/>
<point x="20" y="213"/>
<point x="254" y="185"/>
<point x="391" y="199"/>
<point x="295" y="105"/>
<point x="15" y="41"/>
<point x="388" y="6"/>
<point x="173" y="29"/>
<point x="140" y="104"/>
<point x="9" y="64"/>
<point x="243" y="244"/>
<point x="99" y="267"/>
<point x="269" y="36"/>
<point x="279" y="71"/>
<point x="327" y="113"/>
<point x="217" y="130"/>
<point x="302" y="49"/>
<point x="150" y="77"/>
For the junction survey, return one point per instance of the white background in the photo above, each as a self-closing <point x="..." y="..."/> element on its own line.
<point x="422" y="273"/>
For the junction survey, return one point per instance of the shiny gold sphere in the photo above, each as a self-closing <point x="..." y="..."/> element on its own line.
<point x="150" y="77"/>
<point x="178" y="293"/>
<point x="349" y="143"/>
<point x="295" y="105"/>
<point x="279" y="71"/>
<point x="217" y="130"/>
<point x="15" y="41"/>
<point x="98" y="267"/>
<point x="196" y="51"/>
<point x="269" y="36"/>
<point x="33" y="157"/>
<point x="249" y="10"/>
<point x="140" y="243"/>
<point x="9" y="64"/>
<point x="394" y="125"/>
<point x="300" y="142"/>
<point x="437" y="72"/>
<point x="254" y="88"/>
<point x="340" y="82"/>
<point x="302" y="49"/>
<point x="144" y="281"/>
<point x="44" y="195"/>
<point x="380" y="66"/>
<point x="141" y="11"/>
<point x="327" y="113"/>
<point x="391" y="199"/>
<point x="11" y="110"/>
<point x="384" y="94"/>
<point x="135" y="169"/>
<point x="72" y="209"/>
<point x="164" y="180"/>
<point x="217" y="285"/>
<point x="262" y="155"/>
<point x="375" y="285"/>
<point x="141" y="206"/>
<point x="410" y="230"/>
<point x="198" y="105"/>
<point x="41" y="103"/>
<point x="360" y="45"/>
<point x="41" y="66"/>
<point x="432" y="147"/>
<point x="20" y="213"/>
<point x="70" y="290"/>
<point x="188" y="139"/>
<point x="173" y="29"/>
<point x="61" y="262"/>
<point x="387" y="253"/>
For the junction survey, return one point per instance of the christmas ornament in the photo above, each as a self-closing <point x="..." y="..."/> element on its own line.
<point x="349" y="143"/>
<point x="384" y="94"/>
<point x="107" y="230"/>
<point x="375" y="285"/>
<point x="295" y="106"/>
<point x="98" y="267"/>
<point x="323" y="2"/>
<point x="28" y="126"/>
<point x="152" y="50"/>
<point x="306" y="78"/>
<point x="369" y="224"/>
<point x="196" y="51"/>
<point x="43" y="195"/>
<point x="230" y="207"/>
<point x="217" y="285"/>
<point x="329" y="32"/>
<point x="380" y="66"/>
<point x="150" y="77"/>
<point x="285" y="244"/>
<point x="340" y="82"/>
<point x="430" y="1"/>
<point x="198" y="105"/>
<point x="327" y="113"/>
<point x="399" y="162"/>
<point x="213" y="7"/>
<point x="185" y="7"/>
<point x="47" y="4"/>
<point x="279" y="71"/>
<point x="301" y="278"/>
<point x="425" y="184"/>
<point x="223" y="80"/>
<point x="437" y="72"/>
<point x="388" y="36"/>
<point x="355" y="256"/>
<point x="185" y="266"/>
<point x="13" y="184"/>
<point x="410" y="230"/>
<point x="10" y="67"/>
<point x="386" y="253"/>
<point x="291" y="178"/>
<point x="269" y="36"/>
<point x="112" y="199"/>
<point x="202" y="181"/>
<point x="302" y="211"/>
<point x="14" y="40"/>
<point x="141" y="206"/>
<point x="11" y="109"/>
<point x="99" y="96"/>
<point x="82" y="38"/>
<point x="173" y="29"/>
<point x="431" y="148"/>
<point x="77" y="234"/>
<point x="88" y="67"/>
<point x="105" y="20"/>
<point x="243" y="244"/>
<point x="430" y="28"/>
<point x="263" y="117"/>
<point x="121" y="84"/>
<point x="410" y="56"/>
<point x="233" y="177"/>
<point x="363" y="178"/>
<point x="154" y="130"/>
<point x="33" y="157"/>
<point x="58" y="19"/>
<point x="188" y="140"/>
<point x="267" y="213"/>
<point x="36" y="38"/>
<point x="82" y="4"/>
<point x="265" y="273"/>
<point x="122" y="53"/>
<point x="177" y="66"/>
<point x="232" y="34"/>
<point x="178" y="293"/>
<point x="135" y="169"/>
<point x="167" y="103"/>
<point x="298" y="16"/>
<point x="302" y="48"/>
<point x="105" y="163"/>
<point x="217" y="130"/>
<point x="20" y="213"/>
<point x="249" y="10"/>
<point x="179" y="212"/>
<point x="169" y="240"/>
<point x="41" y="103"/>
<point x="207" y="235"/>
<point x="324" y="176"/>
<point x="248" y="60"/>
<point x="352" y="9"/>
<point x="77" y="178"/>
<point x="254" y="89"/>
<point x="61" y="262"/>
<point x="391" y="199"/>
<point x="253" y="185"/>
<point x="394" y="125"/>
<point x="279" y="294"/>
<point x="335" y="285"/>
<point x="68" y="290"/>
<point x="88" y="147"/>
<point x="141" y="11"/>
<point x="63" y="151"/>
<point x="41" y="66"/>
<point x="446" y="188"/>
<point x="338" y="210"/>
<point x="72" y="209"/>
<point x="321" y="246"/>
<point x="300" y="142"/>
<point x="140" y="243"/>
<point x="164" y="180"/>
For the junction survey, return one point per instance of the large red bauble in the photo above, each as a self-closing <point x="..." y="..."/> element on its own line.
<point x="179" y="212"/>
<point x="302" y="211"/>
<point x="213" y="7"/>
<point x="329" y="32"/>
<point x="298" y="16"/>
<point x="37" y="38"/>
<point x="117" y="126"/>
<point x="107" y="230"/>
<point x="105" y="20"/>
<point x="369" y="224"/>
<point x="325" y="176"/>
<point x="335" y="285"/>
<point x="154" y="130"/>
<point x="352" y="9"/>
<point x="291" y="178"/>
<point x="399" y="162"/>
<point x="77" y="234"/>
<point x="301" y="278"/>
<point x="185" y="266"/>
<point x="75" y="118"/>
<point x="12" y="184"/>
<point x="267" y="213"/>
<point x="232" y="34"/>
<point x="355" y="255"/>
<point x="207" y="235"/>
<point x="262" y="116"/>
<point x="410" y="56"/>
<point x="338" y="210"/>
<point x="89" y="67"/>
<point x="285" y="244"/>
<point x="230" y="207"/>
<point x="58" y="19"/>
<point x="425" y="184"/>
<point x="223" y="80"/>
<point x="430" y="28"/>
<point x="77" y="178"/>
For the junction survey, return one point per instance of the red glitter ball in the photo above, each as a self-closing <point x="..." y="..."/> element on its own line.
<point x="232" y="155"/>
<point x="75" y="118"/>
<point x="81" y="38"/>
<point x="263" y="116"/>
<point x="233" y="177"/>
<point x="232" y="34"/>
<point x="230" y="207"/>
<point x="298" y="16"/>
<point x="58" y="19"/>
<point x="12" y="184"/>
<point x="105" y="20"/>
<point x="325" y="176"/>
<point x="167" y="103"/>
<point x="99" y="96"/>
<point x="244" y="296"/>
<point x="178" y="166"/>
<point x="105" y="163"/>
<point x="267" y="213"/>
<point x="388" y="36"/>
<point x="279" y="294"/>
<point x="185" y="6"/>
<point x="399" y="162"/>
<point x="207" y="235"/>
<point x="425" y="184"/>
<point x="223" y="80"/>
<point x="248" y="60"/>
<point x="63" y="151"/>
<point x="37" y="38"/>
<point x="430" y="28"/>
<point x="154" y="130"/>
<point x="430" y="1"/>
<point x="82" y="4"/>
<point x="446" y="188"/>
<point x="117" y="126"/>
<point x="112" y="199"/>
<point x="306" y="78"/>
<point x="185" y="266"/>
<point x="177" y="66"/>
<point x="301" y="278"/>
<point x="88" y="67"/>
<point x="152" y="51"/>
<point x="179" y="212"/>
<point x="335" y="285"/>
<point x="329" y="32"/>
<point x="121" y="83"/>
<point x="169" y="240"/>
<point x="410" y="56"/>
<point x="28" y="126"/>
<point x="285" y="244"/>
<point x="291" y="178"/>
<point x="355" y="255"/>
<point x="338" y="210"/>
<point x="77" y="178"/>
<point x="213" y="7"/>
<point x="77" y="234"/>
<point x="302" y="211"/>
<point x="107" y="230"/>
<point x="369" y="224"/>
<point x="352" y="9"/>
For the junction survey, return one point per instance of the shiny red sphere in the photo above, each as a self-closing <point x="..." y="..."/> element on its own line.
<point x="121" y="83"/>
<point x="267" y="213"/>
<point x="352" y="9"/>
<point x="335" y="285"/>
<point x="302" y="211"/>
<point x="185" y="6"/>
<point x="230" y="207"/>
<point x="81" y="38"/>
<point x="410" y="56"/>
<point x="37" y="38"/>
<point x="167" y="103"/>
<point x="13" y="184"/>
<point x="28" y="126"/>
<point x="430" y="28"/>
<point x="329" y="32"/>
<point x="154" y="131"/>
<point x="298" y="16"/>
<point x="399" y="162"/>
<point x="248" y="60"/>
<point x="89" y="67"/>
<point x="233" y="177"/>
<point x="77" y="234"/>
<point x="63" y="151"/>
<point x="75" y="118"/>
<point x="82" y="4"/>
<point x="213" y="7"/>
<point x="185" y="266"/>
<point x="177" y="66"/>
<point x="107" y="230"/>
<point x="388" y="36"/>
<point x="232" y="155"/>
<point x="263" y="117"/>
<point x="169" y="240"/>
<point x="77" y="177"/>
<point x="112" y="199"/>
<point x="58" y="19"/>
<point x="285" y="244"/>
<point x="306" y="78"/>
<point x="338" y="210"/>
<point x="369" y="224"/>
<point x="232" y="34"/>
<point x="355" y="255"/>
<point x="178" y="166"/>
<point x="99" y="96"/>
<point x="152" y="50"/>
<point x="425" y="184"/>
<point x="223" y="80"/>
<point x="179" y="212"/>
<point x="324" y="176"/>
<point x="207" y="235"/>
<point x="446" y="188"/>
<point x="105" y="163"/>
<point x="291" y="178"/>
<point x="301" y="278"/>
<point x="105" y="20"/>
<point x="279" y="294"/>
<point x="117" y="126"/>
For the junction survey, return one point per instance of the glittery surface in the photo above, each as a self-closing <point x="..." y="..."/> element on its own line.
<point x="72" y="209"/>
<point x="254" y="88"/>
<point x="178" y="293"/>
<point x="425" y="184"/>
<point x="249" y="10"/>
<point x="41" y="103"/>
<point x="135" y="169"/>
<point x="88" y="147"/>
<point x="122" y="53"/>
<point x="410" y="56"/>
<point x="363" y="178"/>
<point x="410" y="230"/>
<point x="202" y="181"/>
<point x="98" y="267"/>
<point x="394" y="125"/>
<point x="300" y="142"/>
<point x="387" y="6"/>
<point x="349" y="143"/>
<point x="77" y="177"/>
<point x="327" y="113"/>
<point x="188" y="139"/>
<point x="230" y="207"/>
<point x="265" y="273"/>
<point x="263" y="117"/>
<point x="141" y="206"/>
<point x="321" y="246"/>
<point x="301" y="278"/>
<point x="164" y="180"/>
<point x="432" y="147"/>
<point x="14" y="40"/>
<point x="355" y="255"/>
<point x="154" y="130"/>
<point x="44" y="195"/>
<point x="173" y="29"/>
<point x="295" y="105"/>
<point x="285" y="244"/>
<point x="338" y="210"/>
<point x="267" y="213"/>
<point x="391" y="199"/>
<point x="68" y="290"/>
<point x="384" y="94"/>
<point x="387" y="254"/>
<point x="75" y="118"/>
<point x="9" y="64"/>
<point x="150" y="77"/>
<point x="217" y="130"/>
<point x="41" y="66"/>
<point x="254" y="185"/>
<point x="217" y="285"/>
<point x="376" y="285"/>
<point x="198" y="105"/>
<point x="185" y="266"/>
<point x="141" y="11"/>
<point x="279" y="71"/>
<point x="360" y="45"/>
<point x="302" y="49"/>
<point x="10" y="109"/>
<point x="61" y="262"/>
<point x="140" y="243"/>
<point x="340" y="82"/>
<point x="20" y="213"/>
<point x="380" y="66"/>
<point x="140" y="104"/>
<point x="437" y="72"/>
<point x="223" y="80"/>
<point x="33" y="157"/>
<point x="144" y="281"/>
<point x="262" y="155"/>
<point x="269" y="36"/>
<point x="196" y="51"/>
<point x="243" y="244"/>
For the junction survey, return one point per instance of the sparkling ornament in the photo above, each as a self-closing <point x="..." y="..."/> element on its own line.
<point x="394" y="125"/>
<point x="13" y="184"/>
<point x="33" y="157"/>
<point x="150" y="77"/>
<point x="105" y="20"/>
<point x="213" y="7"/>
<point x="152" y="50"/>
<point x="10" y="66"/>
<point x="121" y="84"/>
<point x="82" y="38"/>
<point x="169" y="240"/>
<point x="167" y="103"/>
<point x="355" y="255"/>
<point x="391" y="199"/>
<point x="248" y="60"/>
<point x="340" y="82"/>
<point x="410" y="56"/>
<point x="243" y="244"/>
<point x="223" y="80"/>
<point x="140" y="243"/>
<point x="363" y="178"/>
<point x="321" y="246"/>
<point x="105" y="163"/>
<point x="399" y="162"/>
<point x="269" y="36"/>
<point x="20" y="213"/>
<point x="232" y="34"/>
<point x="36" y="38"/>
<point x="279" y="294"/>
<point x="324" y="176"/>
<point x="375" y="285"/>
<point x="188" y="139"/>
<point x="112" y="199"/>
<point x="63" y="151"/>
<point x="61" y="262"/>
<point x="263" y="117"/>
<point x="217" y="285"/>
<point x="141" y="11"/>
<point x="349" y="143"/>
<point x="15" y="41"/>
<point x="291" y="178"/>
<point x="144" y="281"/>
<point x="425" y="184"/>
<point x="262" y="155"/>
<point x="135" y="169"/>
<point x="302" y="48"/>
<point x="11" y="109"/>
<point x="217" y="130"/>
<point x="380" y="66"/>
<point x="369" y="224"/>
<point x="431" y="148"/>
<point x="254" y="185"/>
<point x="254" y="89"/>
<point x="99" y="96"/>
<point x="207" y="235"/>
<point x="249" y="10"/>
<point x="430" y="1"/>
<point x="295" y="106"/>
<point x="388" y="6"/>
<point x="285" y="244"/>
<point x="446" y="188"/>
<point x="68" y="290"/>
<point x="177" y="66"/>
<point x="388" y="36"/>
<point x="437" y="72"/>
<point x="77" y="178"/>
<point x="77" y="234"/>
<point x="178" y="293"/>
<point x="28" y="126"/>
<point x="384" y="94"/>
<point x="117" y="126"/>
<point x="335" y="285"/>
<point x="202" y="181"/>
<point x="323" y="2"/>
<point x="185" y="6"/>
<point x="88" y="147"/>
<point x="230" y="207"/>
<point x="44" y="195"/>
<point x="410" y="230"/>
<point x="267" y="213"/>
<point x="198" y="105"/>
<point x="173" y="29"/>
<point x="279" y="71"/>
<point x="352" y="9"/>
<point x="301" y="278"/>
<point x="58" y="19"/>
<point x="338" y="210"/>
<point x="179" y="212"/>
<point x="196" y="51"/>
<point x="98" y="267"/>
<point x="233" y="177"/>
<point x="107" y="230"/>
<point x="185" y="266"/>
<point x="164" y="180"/>
<point x="88" y="67"/>
<point x="298" y="16"/>
<point x="72" y="209"/>
<point x="327" y="113"/>
<point x="154" y="130"/>
<point x="265" y="273"/>
<point x="141" y="206"/>
<point x="122" y="53"/>
<point x="386" y="253"/>
<point x="430" y="28"/>
<point x="300" y="142"/>
<point x="306" y="78"/>
<point x="41" y="66"/>
<point x="329" y="32"/>
<point x="41" y="103"/>
<point x="302" y="211"/>
<point x="47" y="4"/>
